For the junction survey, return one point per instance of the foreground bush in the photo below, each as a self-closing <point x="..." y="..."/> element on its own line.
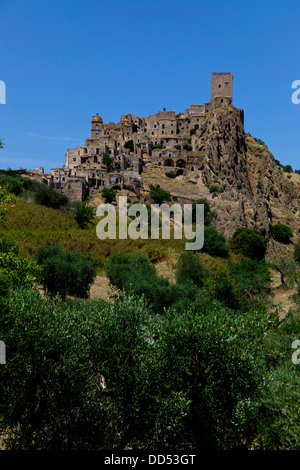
<point x="98" y="375"/>
<point x="65" y="272"/>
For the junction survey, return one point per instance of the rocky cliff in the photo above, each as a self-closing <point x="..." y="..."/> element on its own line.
<point x="237" y="174"/>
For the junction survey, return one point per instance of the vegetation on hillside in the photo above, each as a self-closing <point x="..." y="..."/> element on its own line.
<point x="204" y="362"/>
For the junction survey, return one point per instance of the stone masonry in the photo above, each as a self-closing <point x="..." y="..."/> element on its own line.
<point x="165" y="139"/>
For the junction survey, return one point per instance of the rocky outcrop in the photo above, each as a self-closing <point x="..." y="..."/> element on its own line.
<point x="225" y="150"/>
<point x="244" y="170"/>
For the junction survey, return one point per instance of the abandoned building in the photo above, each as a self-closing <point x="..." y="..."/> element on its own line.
<point x="115" y="154"/>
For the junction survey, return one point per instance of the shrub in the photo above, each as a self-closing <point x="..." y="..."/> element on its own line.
<point x="16" y="271"/>
<point x="222" y="287"/>
<point x="215" y="243"/>
<point x="158" y="194"/>
<point x="84" y="214"/>
<point x="129" y="145"/>
<point x="50" y="198"/>
<point x="249" y="242"/>
<point x="281" y="233"/>
<point x="155" y="289"/>
<point x="252" y="280"/>
<point x="8" y="246"/>
<point x="6" y="200"/>
<point x="190" y="268"/>
<point x="171" y="174"/>
<point x="118" y="265"/>
<point x="297" y="252"/>
<point x="208" y="213"/>
<point x="214" y="188"/>
<point x="287" y="169"/>
<point x="159" y="146"/>
<point x="259" y="141"/>
<point x="108" y="194"/>
<point x="107" y="160"/>
<point x="135" y="275"/>
<point x="13" y="184"/>
<point x="65" y="272"/>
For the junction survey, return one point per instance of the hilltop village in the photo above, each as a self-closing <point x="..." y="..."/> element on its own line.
<point x="115" y="155"/>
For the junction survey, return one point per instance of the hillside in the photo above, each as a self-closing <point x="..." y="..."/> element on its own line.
<point x="236" y="174"/>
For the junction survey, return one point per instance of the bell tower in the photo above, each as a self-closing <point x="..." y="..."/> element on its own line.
<point x="96" y="126"/>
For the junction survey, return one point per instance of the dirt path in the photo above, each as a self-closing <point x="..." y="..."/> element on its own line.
<point x="100" y="287"/>
<point x="282" y="296"/>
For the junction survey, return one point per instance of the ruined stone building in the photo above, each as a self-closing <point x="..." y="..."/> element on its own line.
<point x="165" y="139"/>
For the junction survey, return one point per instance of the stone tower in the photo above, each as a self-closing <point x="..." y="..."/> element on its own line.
<point x="221" y="87"/>
<point x="96" y="125"/>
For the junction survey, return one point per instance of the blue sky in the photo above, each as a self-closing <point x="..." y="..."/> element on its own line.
<point x="64" y="60"/>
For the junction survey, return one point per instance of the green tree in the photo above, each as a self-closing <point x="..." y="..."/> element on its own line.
<point x="222" y="286"/>
<point x="215" y="243"/>
<point x="281" y="233"/>
<point x="119" y="265"/>
<point x="252" y="280"/>
<point x="189" y="267"/>
<point x="65" y="272"/>
<point x="50" y="198"/>
<point x="14" y="270"/>
<point x="84" y="214"/>
<point x="129" y="145"/>
<point x="107" y="160"/>
<point x="249" y="242"/>
<point x="288" y="169"/>
<point x="208" y="213"/>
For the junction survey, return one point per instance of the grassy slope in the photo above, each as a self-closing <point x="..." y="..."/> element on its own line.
<point x="31" y="225"/>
